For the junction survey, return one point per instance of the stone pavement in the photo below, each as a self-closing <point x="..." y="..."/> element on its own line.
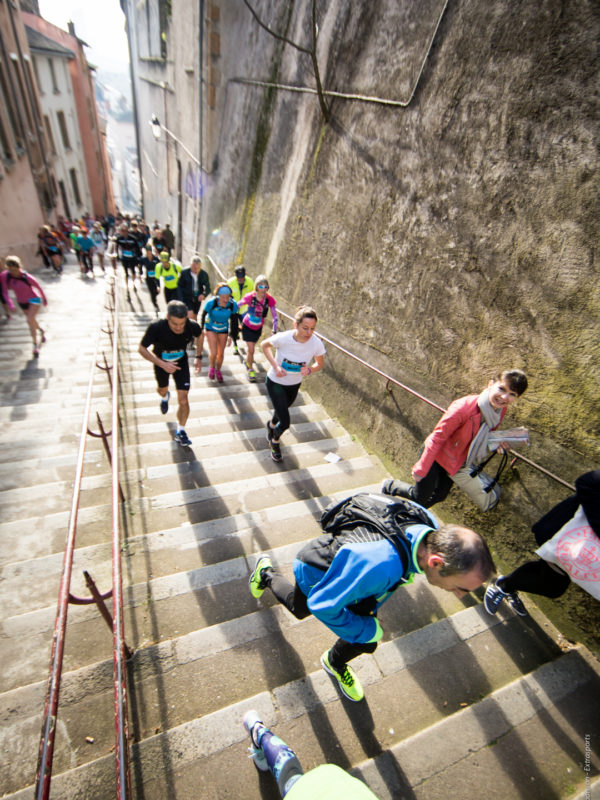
<point x="456" y="701"/>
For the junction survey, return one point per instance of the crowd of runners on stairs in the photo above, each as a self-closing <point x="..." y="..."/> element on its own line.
<point x="372" y="543"/>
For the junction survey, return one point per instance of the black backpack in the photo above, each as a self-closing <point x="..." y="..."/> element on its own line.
<point x="385" y="515"/>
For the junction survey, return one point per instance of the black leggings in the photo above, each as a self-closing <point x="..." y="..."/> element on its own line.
<point x="431" y="489"/>
<point x="537" y="577"/>
<point x="282" y="398"/>
<point x="153" y="288"/>
<point x="294" y="599"/>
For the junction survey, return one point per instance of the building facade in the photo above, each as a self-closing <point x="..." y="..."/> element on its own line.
<point x="93" y="138"/>
<point x="28" y="188"/>
<point x="166" y="45"/>
<point x="65" y="149"/>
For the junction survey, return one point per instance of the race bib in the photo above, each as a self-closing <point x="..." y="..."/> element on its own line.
<point x="172" y="355"/>
<point x="292" y="366"/>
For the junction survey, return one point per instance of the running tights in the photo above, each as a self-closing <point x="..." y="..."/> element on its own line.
<point x="537" y="577"/>
<point x="292" y="597"/>
<point x="282" y="398"/>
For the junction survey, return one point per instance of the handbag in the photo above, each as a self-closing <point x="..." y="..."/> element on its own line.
<point x="575" y="548"/>
<point x="483" y="489"/>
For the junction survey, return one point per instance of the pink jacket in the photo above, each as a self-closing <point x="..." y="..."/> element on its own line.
<point x="24" y="288"/>
<point x="449" y="442"/>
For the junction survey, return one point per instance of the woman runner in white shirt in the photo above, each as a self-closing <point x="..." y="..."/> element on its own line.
<point x="295" y="350"/>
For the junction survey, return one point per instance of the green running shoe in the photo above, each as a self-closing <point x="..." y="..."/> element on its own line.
<point x="346" y="678"/>
<point x="257" y="585"/>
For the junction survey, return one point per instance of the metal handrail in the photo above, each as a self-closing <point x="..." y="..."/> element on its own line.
<point x="119" y="669"/>
<point x="46" y="753"/>
<point x="390" y="380"/>
<point x="48" y="732"/>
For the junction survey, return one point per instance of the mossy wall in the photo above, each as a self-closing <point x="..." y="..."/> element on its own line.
<point x="443" y="241"/>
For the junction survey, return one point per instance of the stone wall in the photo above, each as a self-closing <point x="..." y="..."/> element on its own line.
<point x="442" y="241"/>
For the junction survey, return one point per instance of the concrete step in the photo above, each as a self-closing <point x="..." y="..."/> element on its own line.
<point x="508" y="733"/>
<point x="149" y="481"/>
<point x="454" y="698"/>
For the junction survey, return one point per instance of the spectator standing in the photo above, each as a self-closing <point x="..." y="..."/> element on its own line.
<point x="194" y="287"/>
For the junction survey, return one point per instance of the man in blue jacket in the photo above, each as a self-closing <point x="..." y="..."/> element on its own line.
<point x="343" y="577"/>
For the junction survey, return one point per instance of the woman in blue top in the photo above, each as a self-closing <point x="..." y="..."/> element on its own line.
<point x="220" y="322"/>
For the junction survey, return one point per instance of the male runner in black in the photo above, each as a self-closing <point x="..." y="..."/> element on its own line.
<point x="169" y="339"/>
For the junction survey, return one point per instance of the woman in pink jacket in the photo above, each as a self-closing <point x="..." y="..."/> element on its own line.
<point x="458" y="442"/>
<point x="29" y="295"/>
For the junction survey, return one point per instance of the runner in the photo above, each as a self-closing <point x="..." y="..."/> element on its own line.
<point x="99" y="239"/>
<point x="240" y="285"/>
<point x="86" y="248"/>
<point x="220" y="321"/>
<point x="295" y="351"/>
<point x="270" y="753"/>
<point x="371" y="546"/>
<point x="258" y="303"/>
<point x="127" y="247"/>
<point x="51" y="248"/>
<point x="148" y="262"/>
<point x="29" y="295"/>
<point x="169" y="339"/>
<point x="169" y="271"/>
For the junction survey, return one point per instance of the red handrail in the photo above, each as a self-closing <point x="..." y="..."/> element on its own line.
<point x="119" y="668"/>
<point x="47" y="738"/>
<point x="46" y="753"/>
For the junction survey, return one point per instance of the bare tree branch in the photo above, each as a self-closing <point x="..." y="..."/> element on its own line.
<point x="312" y="52"/>
<point x="273" y="33"/>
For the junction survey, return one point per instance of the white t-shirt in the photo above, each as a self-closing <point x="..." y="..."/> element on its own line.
<point x="293" y="355"/>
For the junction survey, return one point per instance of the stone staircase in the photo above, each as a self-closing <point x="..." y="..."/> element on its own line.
<point x="455" y="700"/>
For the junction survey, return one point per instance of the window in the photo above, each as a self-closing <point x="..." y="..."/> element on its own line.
<point x="75" y="185"/>
<point x="55" y="88"/>
<point x="49" y="134"/>
<point x="64" y="132"/>
<point x="7" y="103"/>
<point x="40" y="85"/>
<point x="23" y="99"/>
<point x="5" y="149"/>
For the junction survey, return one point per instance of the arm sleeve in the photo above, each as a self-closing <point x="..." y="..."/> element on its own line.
<point x="355" y="574"/>
<point x="273" y="307"/>
<point x="5" y="295"/>
<point x="149" y="337"/>
<point x="207" y="307"/>
<point x="233" y="321"/>
<point x="449" y="423"/>
<point x="36" y="283"/>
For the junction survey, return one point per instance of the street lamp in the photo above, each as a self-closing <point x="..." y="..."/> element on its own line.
<point x="156" y="126"/>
